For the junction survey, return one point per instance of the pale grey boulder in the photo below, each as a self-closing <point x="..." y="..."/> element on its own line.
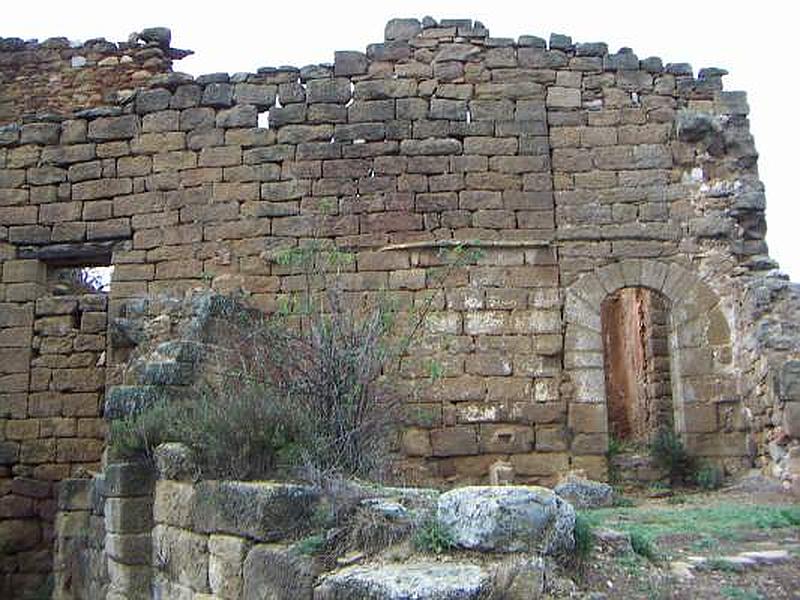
<point x="508" y="519"/>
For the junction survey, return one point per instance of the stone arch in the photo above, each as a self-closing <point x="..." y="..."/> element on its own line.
<point x="700" y="352"/>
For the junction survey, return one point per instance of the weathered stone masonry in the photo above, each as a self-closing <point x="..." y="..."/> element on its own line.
<point x="576" y="171"/>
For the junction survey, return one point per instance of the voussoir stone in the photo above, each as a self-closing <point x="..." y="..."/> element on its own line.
<point x="508" y="519"/>
<point x="430" y="580"/>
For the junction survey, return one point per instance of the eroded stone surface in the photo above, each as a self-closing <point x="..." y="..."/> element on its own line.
<point x="415" y="580"/>
<point x="508" y="519"/>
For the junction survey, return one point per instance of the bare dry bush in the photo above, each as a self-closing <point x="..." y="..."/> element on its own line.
<point x="305" y="392"/>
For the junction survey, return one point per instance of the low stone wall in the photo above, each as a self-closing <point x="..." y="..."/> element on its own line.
<point x="125" y="534"/>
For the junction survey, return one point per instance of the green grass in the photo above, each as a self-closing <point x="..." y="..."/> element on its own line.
<point x="734" y="593"/>
<point x="721" y="521"/>
<point x="643" y="545"/>
<point x="584" y="538"/>
<point x="704" y="543"/>
<point x="721" y="564"/>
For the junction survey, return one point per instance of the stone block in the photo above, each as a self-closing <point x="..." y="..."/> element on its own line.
<point x="74" y="494"/>
<point x="273" y="571"/>
<point x="113" y="128"/>
<point x="506" y="439"/>
<point x="432" y="146"/>
<point x="700" y="418"/>
<point x="454" y="441"/>
<point x="262" y="511"/>
<point x="416" y="442"/>
<point x="589" y="443"/>
<point x="219" y="95"/>
<point x="226" y="565"/>
<point x="22" y="271"/>
<point x="184" y="556"/>
<point x="129" y="549"/>
<point x="174" y="503"/>
<point x="261" y="96"/>
<point x="791" y="418"/>
<point x="72" y="523"/>
<point x="540" y="464"/>
<point x="563" y="97"/>
<point x="588" y="418"/>
<point x="15" y="507"/>
<point x="551" y="439"/>
<point x="128" y="581"/>
<point x="788" y="380"/>
<point x="402" y="29"/>
<point x="336" y="90"/>
<point x="40" y="133"/>
<point x="128" y="515"/>
<point x="241" y="115"/>
<point x="148" y="101"/>
<point x="19" y="535"/>
<point x="128" y="479"/>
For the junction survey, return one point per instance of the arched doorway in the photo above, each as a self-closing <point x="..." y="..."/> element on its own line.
<point x="702" y="376"/>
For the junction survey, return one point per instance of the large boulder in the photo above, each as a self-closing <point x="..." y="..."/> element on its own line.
<point x="508" y="519"/>
<point x="407" y="581"/>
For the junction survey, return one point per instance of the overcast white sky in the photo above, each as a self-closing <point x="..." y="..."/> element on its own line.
<point x="755" y="42"/>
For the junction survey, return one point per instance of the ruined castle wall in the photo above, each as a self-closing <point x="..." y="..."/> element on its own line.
<point x="575" y="172"/>
<point x="57" y="76"/>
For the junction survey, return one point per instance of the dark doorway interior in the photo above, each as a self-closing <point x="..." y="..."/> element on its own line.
<point x="637" y="369"/>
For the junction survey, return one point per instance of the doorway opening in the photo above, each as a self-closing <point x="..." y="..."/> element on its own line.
<point x="635" y="324"/>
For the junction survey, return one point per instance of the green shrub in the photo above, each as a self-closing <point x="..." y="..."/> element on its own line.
<point x="432" y="537"/>
<point x="668" y="452"/>
<point x="709" y="477"/>
<point x="241" y="435"/>
<point x="310" y="545"/>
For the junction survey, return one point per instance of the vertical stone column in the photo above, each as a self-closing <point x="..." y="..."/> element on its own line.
<point x="79" y="533"/>
<point x="129" y="489"/>
<point x="24" y="494"/>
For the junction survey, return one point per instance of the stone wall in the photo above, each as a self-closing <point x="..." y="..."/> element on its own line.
<point x="58" y="76"/>
<point x="54" y="349"/>
<point x="575" y="171"/>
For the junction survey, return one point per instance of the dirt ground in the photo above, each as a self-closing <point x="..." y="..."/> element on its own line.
<point x="670" y="533"/>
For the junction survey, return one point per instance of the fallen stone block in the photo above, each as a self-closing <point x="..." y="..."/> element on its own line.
<point x="508" y="519"/>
